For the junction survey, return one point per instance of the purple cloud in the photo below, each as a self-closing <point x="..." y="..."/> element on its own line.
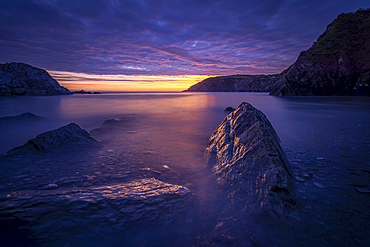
<point x="163" y="37"/>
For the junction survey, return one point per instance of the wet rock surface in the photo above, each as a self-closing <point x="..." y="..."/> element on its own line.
<point x="57" y="214"/>
<point x="65" y="137"/>
<point x="23" y="79"/>
<point x="251" y="167"/>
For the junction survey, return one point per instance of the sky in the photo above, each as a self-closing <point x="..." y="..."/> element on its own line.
<point x="150" y="45"/>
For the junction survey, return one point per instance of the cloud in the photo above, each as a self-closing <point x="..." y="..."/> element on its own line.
<point x="161" y="37"/>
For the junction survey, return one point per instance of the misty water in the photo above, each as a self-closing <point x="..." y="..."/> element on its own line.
<point x="326" y="140"/>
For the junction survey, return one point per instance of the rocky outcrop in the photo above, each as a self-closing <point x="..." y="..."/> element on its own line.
<point x="87" y="212"/>
<point x="337" y="64"/>
<point x="67" y="137"/>
<point x="84" y="92"/>
<point x="251" y="167"/>
<point x="235" y="83"/>
<point x="23" y="79"/>
<point x="20" y="119"/>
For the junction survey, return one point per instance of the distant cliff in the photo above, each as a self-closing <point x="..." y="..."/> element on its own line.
<point x="235" y="83"/>
<point x="337" y="64"/>
<point x="23" y="79"/>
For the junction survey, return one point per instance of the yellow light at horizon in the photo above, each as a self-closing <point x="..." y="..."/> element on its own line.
<point x="81" y="81"/>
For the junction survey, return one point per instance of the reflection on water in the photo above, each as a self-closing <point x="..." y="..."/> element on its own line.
<point x="168" y="138"/>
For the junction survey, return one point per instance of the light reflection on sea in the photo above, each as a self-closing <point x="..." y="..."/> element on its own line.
<point x="175" y="127"/>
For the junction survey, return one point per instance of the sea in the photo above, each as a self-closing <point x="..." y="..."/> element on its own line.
<point x="326" y="140"/>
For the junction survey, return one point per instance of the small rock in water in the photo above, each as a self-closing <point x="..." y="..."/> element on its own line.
<point x="166" y="167"/>
<point x="362" y="190"/>
<point x="318" y="177"/>
<point x="69" y="181"/>
<point x="327" y="202"/>
<point x="319" y="185"/>
<point x="12" y="194"/>
<point x="229" y="109"/>
<point x="119" y="176"/>
<point x="299" y="179"/>
<point x="50" y="187"/>
<point x="61" y="180"/>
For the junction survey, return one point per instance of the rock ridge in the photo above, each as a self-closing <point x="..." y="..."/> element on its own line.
<point x="251" y="167"/>
<point x="235" y="83"/>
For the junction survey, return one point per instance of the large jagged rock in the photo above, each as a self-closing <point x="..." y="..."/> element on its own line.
<point x="67" y="137"/>
<point x="23" y="79"/>
<point x="235" y="83"/>
<point x="60" y="214"/>
<point x="337" y="64"/>
<point x="251" y="167"/>
<point x="20" y="119"/>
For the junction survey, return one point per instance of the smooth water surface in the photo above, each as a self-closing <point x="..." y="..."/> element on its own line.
<point x="326" y="140"/>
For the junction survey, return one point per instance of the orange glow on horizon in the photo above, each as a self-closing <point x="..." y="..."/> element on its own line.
<point x="81" y="81"/>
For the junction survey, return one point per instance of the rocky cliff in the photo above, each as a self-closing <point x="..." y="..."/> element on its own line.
<point x="23" y="79"/>
<point x="337" y="64"/>
<point x="235" y="83"/>
<point x="252" y="169"/>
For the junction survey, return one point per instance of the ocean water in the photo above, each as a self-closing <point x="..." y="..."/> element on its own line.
<point x="324" y="137"/>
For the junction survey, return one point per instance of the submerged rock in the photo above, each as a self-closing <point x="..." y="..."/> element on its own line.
<point x="20" y="119"/>
<point x="53" y="214"/>
<point x="23" y="79"/>
<point x="67" y="137"/>
<point x="113" y="124"/>
<point x="251" y="167"/>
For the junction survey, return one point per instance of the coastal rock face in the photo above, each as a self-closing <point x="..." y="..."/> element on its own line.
<point x="23" y="79"/>
<point x="66" y="137"/>
<point x="58" y="214"/>
<point x="337" y="64"/>
<point x="235" y="83"/>
<point x="20" y="119"/>
<point x="251" y="167"/>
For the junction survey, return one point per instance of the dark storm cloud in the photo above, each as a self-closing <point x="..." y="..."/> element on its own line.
<point x="163" y="37"/>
